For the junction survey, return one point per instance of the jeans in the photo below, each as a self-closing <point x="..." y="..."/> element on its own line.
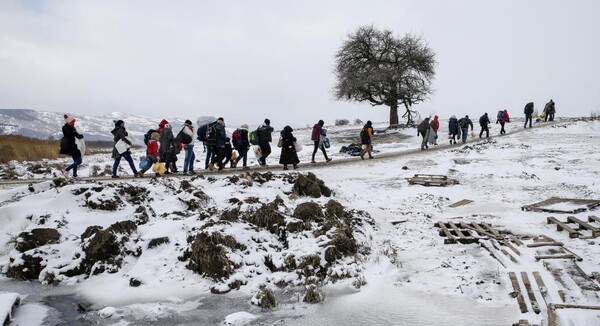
<point x="243" y="155"/>
<point x="210" y="152"/>
<point x="318" y="145"/>
<point x="465" y="132"/>
<point x="129" y="160"/>
<point x="76" y="162"/>
<point x="190" y="157"/>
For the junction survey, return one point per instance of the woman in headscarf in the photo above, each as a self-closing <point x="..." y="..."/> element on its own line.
<point x="288" y="149"/>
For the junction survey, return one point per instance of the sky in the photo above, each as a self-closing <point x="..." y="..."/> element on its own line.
<point x="250" y="60"/>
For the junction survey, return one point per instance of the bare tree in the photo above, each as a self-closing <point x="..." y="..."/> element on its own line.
<point x="379" y="68"/>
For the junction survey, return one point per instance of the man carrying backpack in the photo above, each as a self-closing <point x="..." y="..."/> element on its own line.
<point x="317" y="133"/>
<point x="241" y="145"/>
<point x="423" y="129"/>
<point x="528" y="113"/>
<point x="185" y="137"/>
<point x="264" y="138"/>
<point x="453" y="129"/>
<point x="484" y="122"/>
<point x="503" y="118"/>
<point x="366" y="136"/>
<point x="464" y="124"/>
<point x="219" y="145"/>
<point x="549" y="111"/>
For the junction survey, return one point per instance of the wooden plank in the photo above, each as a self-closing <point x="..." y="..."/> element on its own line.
<point x="506" y="243"/>
<point x="516" y="240"/>
<point x="542" y="287"/>
<point x="593" y="218"/>
<point x="584" y="225"/>
<point x="457" y="231"/>
<point x="398" y="222"/>
<point x="514" y="260"/>
<point x="574" y="306"/>
<point x="577" y="257"/>
<point x="564" y="256"/>
<point x="480" y="230"/>
<point x="449" y="237"/>
<point x="530" y="294"/>
<point x="461" y="203"/>
<point x="545" y="244"/>
<point x="517" y="292"/>
<point x="491" y="229"/>
<point x="562" y="226"/>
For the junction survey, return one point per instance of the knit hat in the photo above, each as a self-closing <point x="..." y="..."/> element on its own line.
<point x="69" y="120"/>
<point x="119" y="123"/>
<point x="244" y="126"/>
<point x="267" y="122"/>
<point x="188" y="122"/>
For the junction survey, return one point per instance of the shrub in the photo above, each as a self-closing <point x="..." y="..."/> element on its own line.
<point x="11" y="148"/>
<point x="342" y="122"/>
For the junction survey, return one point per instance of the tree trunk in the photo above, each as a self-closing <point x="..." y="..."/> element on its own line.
<point x="393" y="115"/>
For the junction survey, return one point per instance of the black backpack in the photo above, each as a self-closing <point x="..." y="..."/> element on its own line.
<point x="211" y="134"/>
<point x="147" y="136"/>
<point x="364" y="136"/>
<point x="183" y="138"/>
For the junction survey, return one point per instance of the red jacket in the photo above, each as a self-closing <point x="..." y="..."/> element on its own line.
<point x="316" y="132"/>
<point x="152" y="148"/>
<point x="435" y="124"/>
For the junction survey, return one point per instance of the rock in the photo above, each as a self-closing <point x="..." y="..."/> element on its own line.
<point x="90" y="231"/>
<point x="29" y="269"/>
<point x="36" y="238"/>
<point x="157" y="242"/>
<point x="134" y="282"/>
<point x="123" y="227"/>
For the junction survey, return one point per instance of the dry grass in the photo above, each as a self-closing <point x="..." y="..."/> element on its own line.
<point x="22" y="148"/>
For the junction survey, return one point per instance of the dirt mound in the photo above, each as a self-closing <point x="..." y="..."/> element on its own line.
<point x="309" y="211"/>
<point x="28" y="269"/>
<point x="208" y="255"/>
<point x="311" y="186"/>
<point x="36" y="238"/>
<point x="268" y="217"/>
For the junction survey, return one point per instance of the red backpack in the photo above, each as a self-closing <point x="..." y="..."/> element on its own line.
<point x="236" y="138"/>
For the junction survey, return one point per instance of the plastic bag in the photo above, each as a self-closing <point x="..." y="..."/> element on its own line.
<point x="473" y="134"/>
<point x="297" y="146"/>
<point x="257" y="152"/>
<point x="144" y="163"/>
<point x="280" y="142"/>
<point x="159" y="168"/>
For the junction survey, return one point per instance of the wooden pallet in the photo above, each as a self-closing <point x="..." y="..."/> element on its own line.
<point x="545" y="206"/>
<point x="579" y="225"/>
<point x="431" y="180"/>
<point x="466" y="232"/>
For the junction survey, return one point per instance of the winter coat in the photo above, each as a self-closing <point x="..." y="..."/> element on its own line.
<point x="505" y="118"/>
<point x="245" y="143"/>
<point x="528" y="108"/>
<point x="484" y="120"/>
<point x="152" y="150"/>
<point x="264" y="134"/>
<point x="165" y="140"/>
<point x="453" y="126"/>
<point x="316" y="132"/>
<point x="288" y="150"/>
<point x="221" y="134"/>
<point x="368" y="129"/>
<point x="422" y="127"/>
<point x="549" y="108"/>
<point x="69" y="134"/>
<point x="464" y="123"/>
<point x="118" y="134"/>
<point x="435" y="124"/>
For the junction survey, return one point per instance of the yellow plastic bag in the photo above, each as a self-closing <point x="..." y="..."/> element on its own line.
<point x="159" y="168"/>
<point x="473" y="134"/>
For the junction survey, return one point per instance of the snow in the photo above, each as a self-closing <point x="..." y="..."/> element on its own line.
<point x="410" y="274"/>
<point x="30" y="315"/>
<point x="7" y="300"/>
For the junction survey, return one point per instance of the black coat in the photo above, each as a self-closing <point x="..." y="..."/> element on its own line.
<point x="68" y="145"/>
<point x="264" y="134"/>
<point x="288" y="150"/>
<point x="119" y="133"/>
<point x="453" y="126"/>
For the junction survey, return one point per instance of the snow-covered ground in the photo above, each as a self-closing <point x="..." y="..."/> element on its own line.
<point x="410" y="276"/>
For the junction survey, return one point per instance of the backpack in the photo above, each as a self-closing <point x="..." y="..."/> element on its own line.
<point x="147" y="136"/>
<point x="201" y="132"/>
<point x="500" y="115"/>
<point x="183" y="138"/>
<point x="364" y="136"/>
<point x="462" y="123"/>
<point x="253" y="137"/>
<point x="208" y="133"/>
<point x="236" y="138"/>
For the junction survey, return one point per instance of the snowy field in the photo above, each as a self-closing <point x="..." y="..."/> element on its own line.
<point x="400" y="273"/>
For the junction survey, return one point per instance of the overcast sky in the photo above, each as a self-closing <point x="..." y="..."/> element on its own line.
<point x="247" y="60"/>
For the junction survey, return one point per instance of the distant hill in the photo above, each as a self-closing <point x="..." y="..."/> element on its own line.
<point x="47" y="125"/>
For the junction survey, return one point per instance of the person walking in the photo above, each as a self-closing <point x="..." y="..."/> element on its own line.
<point x="316" y="136"/>
<point x="464" y="124"/>
<point x="484" y="122"/>
<point x="549" y="111"/>
<point x="120" y="134"/>
<point x="435" y="126"/>
<point x="423" y="129"/>
<point x="190" y="156"/>
<point x="288" y="149"/>
<point x="453" y="129"/>
<point x="241" y="144"/>
<point x="264" y="140"/>
<point x="219" y="147"/>
<point x="152" y="154"/>
<point x="227" y="151"/>
<point x="366" y="137"/>
<point x="503" y="118"/>
<point x="528" y="113"/>
<point x="69" y="146"/>
<point x="168" y="148"/>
